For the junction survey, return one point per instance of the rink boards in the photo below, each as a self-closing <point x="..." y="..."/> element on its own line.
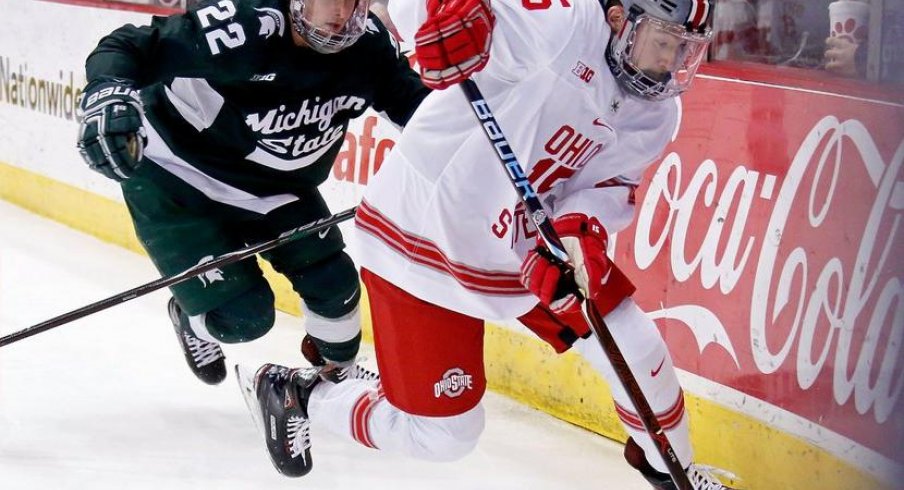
<point x="767" y="246"/>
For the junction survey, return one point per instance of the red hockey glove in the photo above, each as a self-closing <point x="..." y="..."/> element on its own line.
<point x="550" y="280"/>
<point x="454" y="42"/>
<point x="585" y="241"/>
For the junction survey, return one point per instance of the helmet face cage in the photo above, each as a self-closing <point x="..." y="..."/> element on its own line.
<point x="655" y="58"/>
<point x="315" y="27"/>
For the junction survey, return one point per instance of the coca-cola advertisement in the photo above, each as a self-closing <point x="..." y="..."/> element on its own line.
<point x="769" y="247"/>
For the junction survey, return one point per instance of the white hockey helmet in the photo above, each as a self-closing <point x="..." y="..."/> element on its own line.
<point x="657" y="52"/>
<point x="329" y="26"/>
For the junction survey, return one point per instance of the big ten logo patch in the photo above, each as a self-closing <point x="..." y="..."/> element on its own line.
<point x="583" y="72"/>
<point x="362" y="153"/>
<point x="453" y="383"/>
<point x="567" y="151"/>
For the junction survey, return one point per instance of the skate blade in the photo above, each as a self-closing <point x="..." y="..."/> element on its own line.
<point x="245" y="378"/>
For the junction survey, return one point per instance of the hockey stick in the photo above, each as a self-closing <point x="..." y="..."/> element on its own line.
<point x="215" y="263"/>
<point x="544" y="226"/>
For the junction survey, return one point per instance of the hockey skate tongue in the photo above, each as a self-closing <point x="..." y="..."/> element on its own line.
<point x="305" y="377"/>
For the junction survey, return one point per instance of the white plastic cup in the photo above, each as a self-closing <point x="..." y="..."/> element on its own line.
<point x="849" y="19"/>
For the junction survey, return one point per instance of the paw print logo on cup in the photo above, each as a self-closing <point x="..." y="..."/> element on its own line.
<point x="849" y="20"/>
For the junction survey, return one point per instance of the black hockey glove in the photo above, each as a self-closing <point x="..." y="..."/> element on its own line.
<point x="111" y="137"/>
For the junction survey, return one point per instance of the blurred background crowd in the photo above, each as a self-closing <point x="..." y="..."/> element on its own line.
<point x="859" y="39"/>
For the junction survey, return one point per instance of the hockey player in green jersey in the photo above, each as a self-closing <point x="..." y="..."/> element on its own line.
<point x="219" y="124"/>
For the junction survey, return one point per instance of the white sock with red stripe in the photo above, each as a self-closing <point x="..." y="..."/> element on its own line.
<point x="646" y="353"/>
<point x="333" y="407"/>
<point x="357" y="410"/>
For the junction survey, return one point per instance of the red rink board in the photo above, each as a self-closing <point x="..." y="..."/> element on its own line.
<point x="768" y="243"/>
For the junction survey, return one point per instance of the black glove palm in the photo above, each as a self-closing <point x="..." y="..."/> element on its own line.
<point x="111" y="136"/>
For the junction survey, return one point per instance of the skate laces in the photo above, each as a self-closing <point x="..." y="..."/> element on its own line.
<point x="702" y="478"/>
<point x="358" y="371"/>
<point x="298" y="432"/>
<point x="337" y="372"/>
<point x="202" y="352"/>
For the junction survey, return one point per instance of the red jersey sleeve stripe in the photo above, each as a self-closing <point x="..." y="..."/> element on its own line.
<point x="427" y="253"/>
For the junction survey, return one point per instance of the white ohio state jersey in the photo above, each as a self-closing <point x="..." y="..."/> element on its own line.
<point x="441" y="219"/>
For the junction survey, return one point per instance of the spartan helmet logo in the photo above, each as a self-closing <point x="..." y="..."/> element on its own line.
<point x="271" y="22"/>
<point x="211" y="276"/>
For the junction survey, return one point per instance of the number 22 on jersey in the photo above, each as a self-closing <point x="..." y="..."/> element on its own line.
<point x="230" y="35"/>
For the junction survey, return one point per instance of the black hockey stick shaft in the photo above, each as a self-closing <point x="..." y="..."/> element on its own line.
<point x="541" y="220"/>
<point x="215" y="263"/>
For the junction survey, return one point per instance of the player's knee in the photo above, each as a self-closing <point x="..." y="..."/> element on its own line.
<point x="244" y="318"/>
<point x="329" y="288"/>
<point x="445" y="439"/>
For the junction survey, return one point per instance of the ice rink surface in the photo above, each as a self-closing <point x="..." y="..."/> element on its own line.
<point x="107" y="402"/>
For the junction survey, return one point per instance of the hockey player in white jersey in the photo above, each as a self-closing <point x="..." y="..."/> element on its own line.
<point x="445" y="243"/>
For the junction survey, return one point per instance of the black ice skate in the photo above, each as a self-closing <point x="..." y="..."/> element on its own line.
<point x="205" y="359"/>
<point x="277" y="397"/>
<point x="699" y="477"/>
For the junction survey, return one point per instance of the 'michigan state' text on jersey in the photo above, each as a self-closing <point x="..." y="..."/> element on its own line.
<point x="235" y="109"/>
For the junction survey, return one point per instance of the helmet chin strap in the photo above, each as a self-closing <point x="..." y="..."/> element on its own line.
<point x="297" y="6"/>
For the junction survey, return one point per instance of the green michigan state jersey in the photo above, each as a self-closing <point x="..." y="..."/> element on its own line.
<point x="232" y="103"/>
